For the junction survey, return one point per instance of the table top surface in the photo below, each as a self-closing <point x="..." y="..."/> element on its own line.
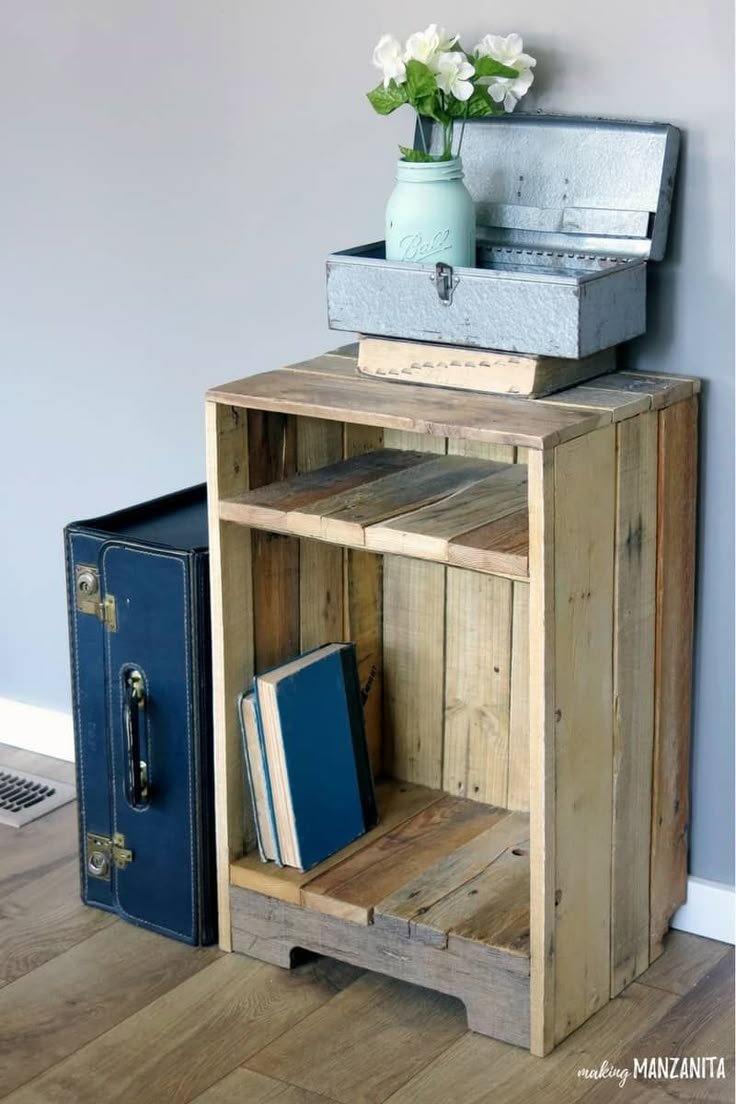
<point x="331" y="387"/>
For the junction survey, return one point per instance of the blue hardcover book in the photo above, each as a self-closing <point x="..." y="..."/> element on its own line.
<point x="315" y="754"/>
<point x="258" y="780"/>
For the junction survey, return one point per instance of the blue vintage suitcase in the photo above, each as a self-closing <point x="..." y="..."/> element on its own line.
<point x="138" y="594"/>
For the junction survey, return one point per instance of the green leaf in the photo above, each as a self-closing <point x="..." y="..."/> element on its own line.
<point x="420" y="81"/>
<point x="481" y="105"/>
<point x="489" y="67"/>
<point x="385" y="100"/>
<point x="431" y="109"/>
<point x="414" y="154"/>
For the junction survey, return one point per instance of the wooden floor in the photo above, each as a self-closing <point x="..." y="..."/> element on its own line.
<point x="95" y="1010"/>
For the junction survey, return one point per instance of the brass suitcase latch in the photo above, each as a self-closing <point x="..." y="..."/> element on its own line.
<point x="89" y="598"/>
<point x="103" y="853"/>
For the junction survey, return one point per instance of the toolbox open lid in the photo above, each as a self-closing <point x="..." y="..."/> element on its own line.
<point x="568" y="211"/>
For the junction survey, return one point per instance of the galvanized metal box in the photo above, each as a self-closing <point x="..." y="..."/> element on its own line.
<point x="569" y="211"/>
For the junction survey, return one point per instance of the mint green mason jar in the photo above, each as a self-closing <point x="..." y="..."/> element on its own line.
<point x="430" y="216"/>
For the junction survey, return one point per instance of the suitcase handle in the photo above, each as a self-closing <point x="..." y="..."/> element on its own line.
<point x="134" y="702"/>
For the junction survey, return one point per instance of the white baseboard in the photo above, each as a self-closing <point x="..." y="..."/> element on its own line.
<point x="710" y="910"/>
<point x="33" y="728"/>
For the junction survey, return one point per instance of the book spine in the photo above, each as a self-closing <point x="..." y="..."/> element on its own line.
<point x="353" y="692"/>
<point x="267" y="774"/>
<point x="249" y="774"/>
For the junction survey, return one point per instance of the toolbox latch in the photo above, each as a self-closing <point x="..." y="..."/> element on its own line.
<point x="103" y="853"/>
<point x="89" y="598"/>
<point x="445" y="282"/>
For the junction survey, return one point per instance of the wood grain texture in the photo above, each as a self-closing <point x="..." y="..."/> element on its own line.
<point x="662" y="391"/>
<point x="397" y="802"/>
<point x="496" y="997"/>
<point x="244" y="1086"/>
<point x="477" y="686"/>
<point x="541" y="749"/>
<point x="498" y="420"/>
<point x="352" y="888"/>
<point x="43" y="918"/>
<point x="478" y="1071"/>
<point x="193" y="1035"/>
<point x="685" y="960"/>
<point x="76" y="997"/>
<point x="272" y="457"/>
<point x="583" y="736"/>
<point x="364" y="610"/>
<point x="518" y="782"/>
<point x="321" y="568"/>
<point x="676" y="513"/>
<point x="231" y="589"/>
<point x="413" y="653"/>
<point x="633" y="694"/>
<point x="40" y="848"/>
<point x="405" y="1027"/>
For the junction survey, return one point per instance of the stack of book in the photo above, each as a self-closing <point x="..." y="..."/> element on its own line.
<point x="307" y="758"/>
<point x="477" y="369"/>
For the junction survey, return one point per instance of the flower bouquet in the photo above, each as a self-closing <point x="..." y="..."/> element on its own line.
<point x="430" y="215"/>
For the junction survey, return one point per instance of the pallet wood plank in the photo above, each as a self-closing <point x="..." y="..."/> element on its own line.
<point x="321" y="569"/>
<point x="633" y="694"/>
<point x="272" y="456"/>
<point x="269" y="505"/>
<point x="583" y="736"/>
<point x="619" y="404"/>
<point x="414" y="615"/>
<point x="405" y="911"/>
<point x="413" y="651"/>
<point x="364" y="609"/>
<point x="678" y="426"/>
<point x="231" y="588"/>
<point x="496" y="997"/>
<point x="663" y="391"/>
<point x="437" y="412"/>
<point x="493" y="909"/>
<point x="351" y="889"/>
<point x="346" y="517"/>
<point x="427" y="530"/>
<point x="499" y="548"/>
<point x="541" y="750"/>
<point x="477" y="685"/>
<point x="518" y="783"/>
<point x="397" y="802"/>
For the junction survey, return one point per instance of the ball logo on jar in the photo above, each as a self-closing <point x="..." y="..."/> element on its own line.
<point x="415" y="247"/>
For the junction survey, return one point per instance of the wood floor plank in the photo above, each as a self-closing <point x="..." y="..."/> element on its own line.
<point x="685" y="960"/>
<point x="351" y="889"/>
<point x="389" y="1029"/>
<point x="244" y="1086"/>
<point x="71" y="1000"/>
<point x="191" y="1036"/>
<point x="700" y="1023"/>
<point x="475" y="1070"/>
<point x="38" y="848"/>
<point x="406" y="909"/>
<point x="44" y="918"/>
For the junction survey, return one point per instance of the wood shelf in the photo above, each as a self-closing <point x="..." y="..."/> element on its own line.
<point x="436" y="869"/>
<point x="457" y="510"/>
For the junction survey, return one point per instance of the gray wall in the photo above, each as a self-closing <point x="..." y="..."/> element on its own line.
<point x="168" y="193"/>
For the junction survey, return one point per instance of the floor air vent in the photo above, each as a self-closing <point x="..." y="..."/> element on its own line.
<point x="25" y="797"/>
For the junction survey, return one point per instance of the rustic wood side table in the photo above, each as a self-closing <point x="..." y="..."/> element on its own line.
<point x="518" y="578"/>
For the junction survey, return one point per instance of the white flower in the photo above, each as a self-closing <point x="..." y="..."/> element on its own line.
<point x="509" y="51"/>
<point x="387" y="57"/>
<point x="426" y="46"/>
<point x="453" y="73"/>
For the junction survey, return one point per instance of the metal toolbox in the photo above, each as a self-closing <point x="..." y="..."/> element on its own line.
<point x="569" y="211"/>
